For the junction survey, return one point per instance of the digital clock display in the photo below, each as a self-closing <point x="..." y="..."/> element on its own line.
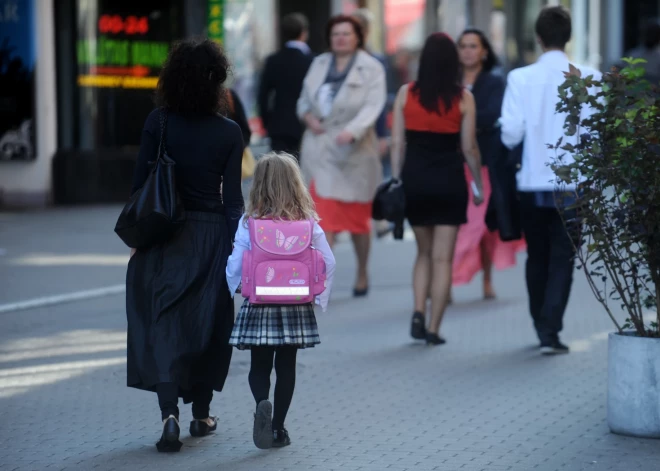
<point x="130" y="25"/>
<point x="130" y="45"/>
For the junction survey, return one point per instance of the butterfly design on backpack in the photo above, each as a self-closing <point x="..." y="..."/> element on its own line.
<point x="286" y="242"/>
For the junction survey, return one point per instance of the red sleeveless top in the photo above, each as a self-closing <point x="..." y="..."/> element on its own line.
<point x="418" y="118"/>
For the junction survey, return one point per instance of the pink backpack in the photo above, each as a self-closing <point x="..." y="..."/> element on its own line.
<point x="282" y="267"/>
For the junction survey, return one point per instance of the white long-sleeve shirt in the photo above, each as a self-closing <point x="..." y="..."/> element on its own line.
<point x="528" y="113"/>
<point x="242" y="243"/>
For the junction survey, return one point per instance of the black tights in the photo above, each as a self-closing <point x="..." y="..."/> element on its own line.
<point x="285" y="369"/>
<point x="168" y="398"/>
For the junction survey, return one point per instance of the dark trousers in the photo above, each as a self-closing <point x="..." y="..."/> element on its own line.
<point x="168" y="398"/>
<point x="261" y="367"/>
<point x="550" y="264"/>
<point x="286" y="144"/>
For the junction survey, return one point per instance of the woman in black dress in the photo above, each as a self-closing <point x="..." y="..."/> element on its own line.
<point x="435" y="119"/>
<point x="180" y="314"/>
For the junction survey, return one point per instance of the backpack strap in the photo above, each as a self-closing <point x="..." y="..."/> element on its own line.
<point x="252" y="230"/>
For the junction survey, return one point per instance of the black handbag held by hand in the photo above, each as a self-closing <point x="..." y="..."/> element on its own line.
<point x="390" y="204"/>
<point x="155" y="212"/>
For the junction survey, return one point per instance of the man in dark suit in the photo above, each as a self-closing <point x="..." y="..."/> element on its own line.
<point x="281" y="84"/>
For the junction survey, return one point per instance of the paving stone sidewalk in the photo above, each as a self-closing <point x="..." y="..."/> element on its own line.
<point x="367" y="398"/>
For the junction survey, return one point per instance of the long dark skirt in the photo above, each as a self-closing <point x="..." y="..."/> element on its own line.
<point x="179" y="311"/>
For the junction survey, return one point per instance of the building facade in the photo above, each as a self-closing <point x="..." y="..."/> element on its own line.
<point x="87" y="69"/>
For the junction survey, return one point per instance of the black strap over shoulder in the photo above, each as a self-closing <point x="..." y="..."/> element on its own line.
<point x="162" y="144"/>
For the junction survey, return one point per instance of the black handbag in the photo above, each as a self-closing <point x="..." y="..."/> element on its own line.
<point x="154" y="213"/>
<point x="390" y="204"/>
<point x="505" y="212"/>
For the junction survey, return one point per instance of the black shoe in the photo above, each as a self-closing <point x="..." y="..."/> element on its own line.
<point x="417" y="328"/>
<point x="360" y="293"/>
<point x="434" y="339"/>
<point x="169" y="440"/>
<point x="199" y="428"/>
<point x="281" y="438"/>
<point x="262" y="432"/>
<point x="554" y="348"/>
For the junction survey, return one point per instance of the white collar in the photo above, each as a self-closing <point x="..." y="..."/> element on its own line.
<point x="300" y="45"/>
<point x="553" y="55"/>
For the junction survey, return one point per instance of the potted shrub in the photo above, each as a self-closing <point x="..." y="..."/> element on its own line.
<point x="614" y="158"/>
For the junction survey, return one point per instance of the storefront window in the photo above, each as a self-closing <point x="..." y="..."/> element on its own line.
<point x="119" y="49"/>
<point x="17" y="94"/>
<point x="249" y="37"/>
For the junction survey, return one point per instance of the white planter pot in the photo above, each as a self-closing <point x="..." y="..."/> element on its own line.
<point x="633" y="386"/>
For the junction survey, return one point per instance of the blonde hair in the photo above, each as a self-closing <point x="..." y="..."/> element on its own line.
<point x="278" y="190"/>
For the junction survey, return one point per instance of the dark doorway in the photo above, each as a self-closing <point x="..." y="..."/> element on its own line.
<point x="636" y="15"/>
<point x="318" y="14"/>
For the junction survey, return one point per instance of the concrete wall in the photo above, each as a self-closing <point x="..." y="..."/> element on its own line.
<point x="28" y="184"/>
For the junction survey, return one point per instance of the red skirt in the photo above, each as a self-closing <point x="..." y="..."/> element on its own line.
<point x="340" y="216"/>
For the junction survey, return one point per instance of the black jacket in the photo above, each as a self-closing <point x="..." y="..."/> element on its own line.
<point x="488" y="91"/>
<point x="282" y="80"/>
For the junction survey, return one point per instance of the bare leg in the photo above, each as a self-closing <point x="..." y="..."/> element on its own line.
<point x="487" y="264"/>
<point x="442" y="254"/>
<point x="331" y="237"/>
<point x="422" y="269"/>
<point x="361" y="244"/>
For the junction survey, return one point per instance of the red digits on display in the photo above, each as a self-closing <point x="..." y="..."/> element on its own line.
<point x="115" y="24"/>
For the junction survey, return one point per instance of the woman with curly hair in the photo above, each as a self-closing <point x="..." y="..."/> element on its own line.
<point x="179" y="311"/>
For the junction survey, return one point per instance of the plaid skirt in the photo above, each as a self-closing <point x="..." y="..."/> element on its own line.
<point x="275" y="325"/>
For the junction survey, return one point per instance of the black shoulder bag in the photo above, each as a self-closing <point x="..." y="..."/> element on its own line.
<point x="154" y="213"/>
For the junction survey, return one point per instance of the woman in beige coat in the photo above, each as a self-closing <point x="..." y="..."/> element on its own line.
<point x="343" y="95"/>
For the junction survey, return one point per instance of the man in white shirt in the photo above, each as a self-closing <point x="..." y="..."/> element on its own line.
<point x="529" y="116"/>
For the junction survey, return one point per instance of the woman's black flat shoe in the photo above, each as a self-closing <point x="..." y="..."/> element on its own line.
<point x="199" y="428"/>
<point x="417" y="327"/>
<point x="360" y="293"/>
<point x="433" y="339"/>
<point x="281" y="438"/>
<point x="169" y="440"/>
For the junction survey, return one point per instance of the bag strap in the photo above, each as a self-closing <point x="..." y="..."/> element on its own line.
<point x="162" y="144"/>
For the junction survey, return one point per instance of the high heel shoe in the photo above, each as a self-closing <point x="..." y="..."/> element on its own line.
<point x="417" y="328"/>
<point x="434" y="339"/>
<point x="169" y="440"/>
<point x="360" y="293"/>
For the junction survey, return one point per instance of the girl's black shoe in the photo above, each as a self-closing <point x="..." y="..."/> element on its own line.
<point x="360" y="293"/>
<point x="199" y="428"/>
<point x="434" y="339"/>
<point x="417" y="328"/>
<point x="169" y="440"/>
<point x="281" y="438"/>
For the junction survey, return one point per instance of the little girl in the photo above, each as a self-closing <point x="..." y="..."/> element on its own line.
<point x="276" y="331"/>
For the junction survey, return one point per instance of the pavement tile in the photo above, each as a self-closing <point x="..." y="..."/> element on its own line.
<point x="367" y="398"/>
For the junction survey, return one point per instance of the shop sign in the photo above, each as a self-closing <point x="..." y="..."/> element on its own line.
<point x="216" y="16"/>
<point x="122" y="53"/>
<point x="17" y="92"/>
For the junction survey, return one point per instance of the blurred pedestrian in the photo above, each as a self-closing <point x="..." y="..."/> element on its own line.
<point x="276" y="331"/>
<point x="281" y="84"/>
<point x="477" y="249"/>
<point x="434" y="117"/>
<point x="365" y="18"/>
<point x="180" y="314"/>
<point x="343" y="96"/>
<point x="236" y="112"/>
<point x="529" y="116"/>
